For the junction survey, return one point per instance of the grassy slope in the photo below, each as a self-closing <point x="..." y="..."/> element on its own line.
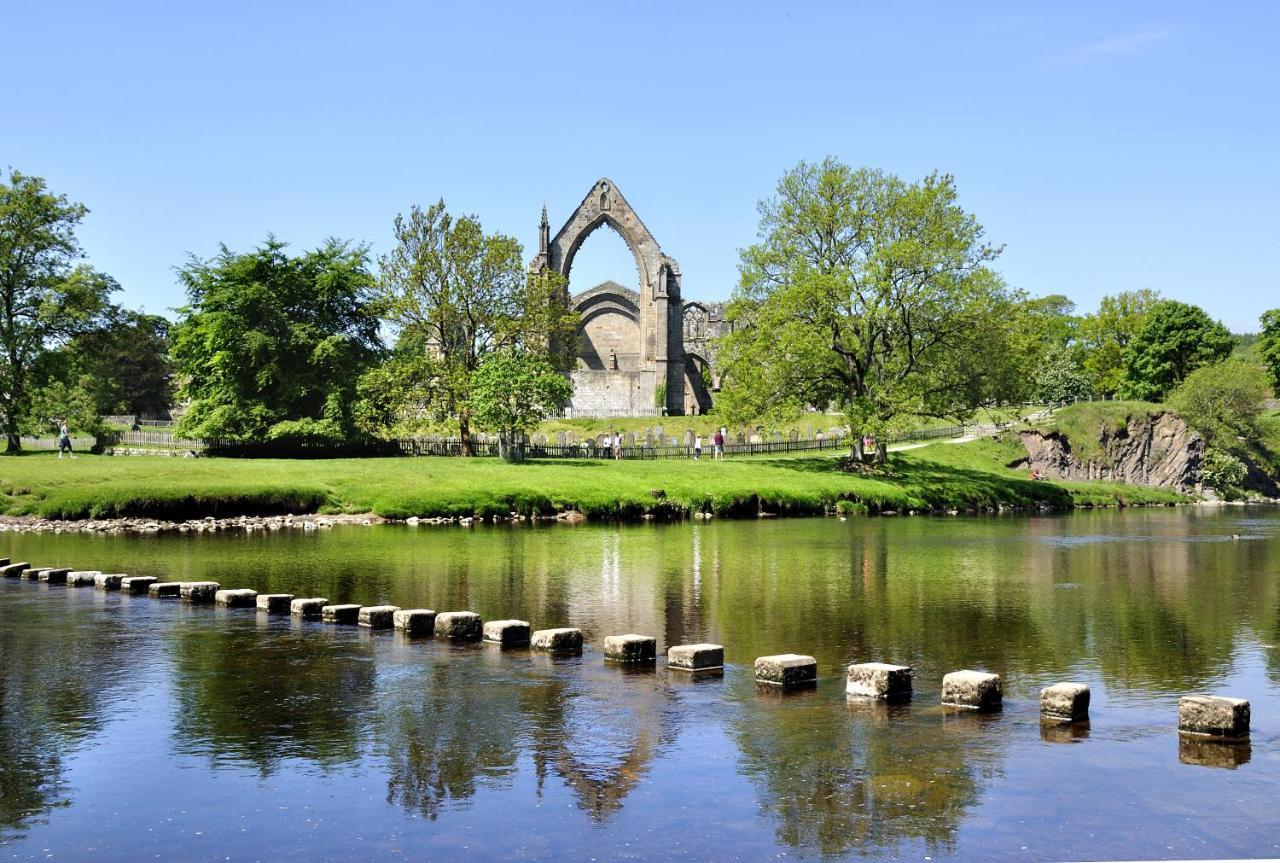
<point x="938" y="476"/>
<point x="1081" y="422"/>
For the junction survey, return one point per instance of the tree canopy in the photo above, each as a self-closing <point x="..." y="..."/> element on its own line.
<point x="1175" y="339"/>
<point x="1105" y="334"/>
<point x="271" y="345"/>
<point x="511" y="392"/>
<point x="866" y="292"/>
<point x="1269" y="345"/>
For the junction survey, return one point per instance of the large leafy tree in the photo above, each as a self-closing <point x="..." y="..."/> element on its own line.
<point x="1105" y="334"/>
<point x="271" y="345"/>
<point x="1269" y="345"/>
<point x="1223" y="402"/>
<point x="511" y="392"/>
<point x="869" y="293"/>
<point x="1175" y="340"/>
<point x="45" y="297"/>
<point x="454" y="295"/>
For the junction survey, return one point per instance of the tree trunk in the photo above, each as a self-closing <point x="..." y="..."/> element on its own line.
<point x="464" y="431"/>
<point x="855" y="448"/>
<point x="882" y="452"/>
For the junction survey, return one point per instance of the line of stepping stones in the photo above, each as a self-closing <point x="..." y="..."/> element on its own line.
<point x="1204" y="715"/>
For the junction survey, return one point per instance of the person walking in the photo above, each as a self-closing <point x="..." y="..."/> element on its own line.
<point x="617" y="446"/>
<point x="64" y="440"/>
<point x="717" y="443"/>
<point x="697" y="447"/>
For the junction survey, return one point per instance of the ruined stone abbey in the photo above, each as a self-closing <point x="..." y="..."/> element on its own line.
<point x="643" y="348"/>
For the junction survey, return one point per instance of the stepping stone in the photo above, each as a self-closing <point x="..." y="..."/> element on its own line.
<point x="507" y="632"/>
<point x="241" y="597"/>
<point x="4" y="561"/>
<point x="199" y="592"/>
<point x="53" y="576"/>
<point x="414" y="621"/>
<point x="459" y="626"/>
<point x="879" y="680"/>
<point x="344" y="613"/>
<point x="109" y="580"/>
<point x="787" y="669"/>
<point x="1065" y="701"/>
<point x="378" y="616"/>
<point x="695" y="657"/>
<point x="630" y="648"/>
<point x="164" y="589"/>
<point x="974" y="689"/>
<point x="14" y="570"/>
<point x="1213" y="716"/>
<point x="136" y="584"/>
<point x="82" y="578"/>
<point x="32" y="573"/>
<point x="274" y="603"/>
<point x="566" y="639"/>
<point x="309" y="608"/>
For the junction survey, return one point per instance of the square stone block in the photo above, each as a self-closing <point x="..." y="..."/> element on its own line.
<point x="507" y="631"/>
<point x="241" y="597"/>
<point x="32" y="573"/>
<point x="308" y="608"/>
<point x="82" y="577"/>
<point x="345" y="613"/>
<point x="53" y="576"/>
<point x="977" y="689"/>
<point x="109" y="580"/>
<point x="630" y="648"/>
<point x="199" y="592"/>
<point x="378" y="616"/>
<point x="879" y="680"/>
<point x="414" y="621"/>
<point x="1213" y="715"/>
<point x="136" y="584"/>
<point x="1065" y="701"/>
<point x="566" y="639"/>
<point x="274" y="603"/>
<point x="164" y="589"/>
<point x="695" y="657"/>
<point x="459" y="626"/>
<point x="786" y="669"/>
<point x="14" y="570"/>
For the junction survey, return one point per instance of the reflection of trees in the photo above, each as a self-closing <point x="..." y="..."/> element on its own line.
<point x="52" y="690"/>
<point x="260" y="696"/>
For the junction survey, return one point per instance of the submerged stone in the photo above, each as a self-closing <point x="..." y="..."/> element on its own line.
<point x="82" y="578"/>
<point x="879" y="680"/>
<point x="695" y="657"/>
<point x="378" y="616"/>
<point x="566" y="639"/>
<point x="164" y="589"/>
<point x="199" y="592"/>
<point x="241" y="597"/>
<point x="1213" y="716"/>
<point x="273" y="603"/>
<point x="459" y="626"/>
<point x="1065" y="701"/>
<point x="506" y="632"/>
<point x="135" y="584"/>
<point x="308" y="608"/>
<point x="975" y="689"/>
<point x="414" y="621"/>
<point x="630" y="648"/>
<point x="787" y="669"/>
<point x="344" y="613"/>
<point x="109" y="580"/>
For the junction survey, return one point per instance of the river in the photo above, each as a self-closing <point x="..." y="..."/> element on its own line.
<point x="135" y="728"/>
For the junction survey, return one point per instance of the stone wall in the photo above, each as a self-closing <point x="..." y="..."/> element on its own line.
<point x="610" y="393"/>
<point x="610" y="340"/>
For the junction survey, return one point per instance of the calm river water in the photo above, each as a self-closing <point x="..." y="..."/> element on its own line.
<point x="134" y="729"/>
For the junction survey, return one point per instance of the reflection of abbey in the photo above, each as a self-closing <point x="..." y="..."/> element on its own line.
<point x="637" y="342"/>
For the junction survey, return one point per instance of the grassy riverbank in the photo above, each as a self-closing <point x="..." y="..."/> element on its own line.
<point x="940" y="476"/>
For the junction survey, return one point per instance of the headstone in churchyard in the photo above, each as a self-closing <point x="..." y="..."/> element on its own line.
<point x="808" y="432"/>
<point x="659" y="432"/>
<point x="742" y="437"/>
<point x="688" y="437"/>
<point x="793" y="435"/>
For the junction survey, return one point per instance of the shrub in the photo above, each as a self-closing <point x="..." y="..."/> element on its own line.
<point x="1225" y="473"/>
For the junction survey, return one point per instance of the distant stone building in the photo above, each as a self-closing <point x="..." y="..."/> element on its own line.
<point x="643" y="348"/>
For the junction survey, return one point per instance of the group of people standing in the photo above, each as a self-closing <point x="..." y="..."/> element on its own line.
<point x="613" y="444"/>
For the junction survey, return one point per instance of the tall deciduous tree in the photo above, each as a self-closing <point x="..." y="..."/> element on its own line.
<point x="123" y="364"/>
<point x="455" y="295"/>
<point x="869" y="293"/>
<point x="271" y="345"/>
<point x="45" y="298"/>
<point x="1175" y="340"/>
<point x="511" y="392"/>
<point x="1269" y="345"/>
<point x="1105" y="334"/>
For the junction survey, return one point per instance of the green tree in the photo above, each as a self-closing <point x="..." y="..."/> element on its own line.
<point x="1175" y="340"/>
<point x="271" y="345"/>
<point x="455" y="294"/>
<point x="1060" y="379"/>
<point x="868" y="293"/>
<point x="45" y="298"/>
<point x="1223" y="402"/>
<point x="1269" y="345"/>
<point x="1105" y="334"/>
<point x="511" y="392"/>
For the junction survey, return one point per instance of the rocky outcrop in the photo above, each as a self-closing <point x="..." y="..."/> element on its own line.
<point x="1157" y="450"/>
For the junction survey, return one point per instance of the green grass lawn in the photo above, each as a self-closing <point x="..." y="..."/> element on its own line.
<point x="938" y="476"/>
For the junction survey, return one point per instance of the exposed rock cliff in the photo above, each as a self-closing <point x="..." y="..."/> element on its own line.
<point x="1156" y="450"/>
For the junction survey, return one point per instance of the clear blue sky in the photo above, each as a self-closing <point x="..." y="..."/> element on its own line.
<point x="1109" y="146"/>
